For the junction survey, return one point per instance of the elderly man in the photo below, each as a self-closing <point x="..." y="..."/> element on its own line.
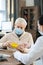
<point x="36" y="50"/>
<point x="18" y="35"/>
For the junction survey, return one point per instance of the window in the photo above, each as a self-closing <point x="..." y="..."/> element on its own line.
<point x="7" y="26"/>
<point x="3" y="10"/>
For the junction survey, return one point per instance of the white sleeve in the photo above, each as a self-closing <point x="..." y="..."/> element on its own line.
<point x="35" y="52"/>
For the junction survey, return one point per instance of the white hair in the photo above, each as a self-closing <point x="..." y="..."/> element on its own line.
<point x="21" y="20"/>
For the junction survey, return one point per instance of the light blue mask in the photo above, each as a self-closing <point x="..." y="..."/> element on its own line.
<point x="41" y="32"/>
<point x="18" y="31"/>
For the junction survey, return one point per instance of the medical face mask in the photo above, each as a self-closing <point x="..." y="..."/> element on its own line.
<point x="18" y="31"/>
<point x="40" y="32"/>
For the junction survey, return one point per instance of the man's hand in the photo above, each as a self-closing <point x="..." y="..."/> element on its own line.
<point x="26" y="45"/>
<point x="6" y="44"/>
<point x="22" y="48"/>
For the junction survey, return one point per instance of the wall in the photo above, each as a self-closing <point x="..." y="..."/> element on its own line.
<point x="22" y="3"/>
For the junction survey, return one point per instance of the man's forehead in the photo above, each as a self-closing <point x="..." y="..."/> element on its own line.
<point x="23" y="26"/>
<point x="20" y="24"/>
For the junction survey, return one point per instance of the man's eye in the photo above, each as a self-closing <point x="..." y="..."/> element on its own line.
<point x="18" y="26"/>
<point x="21" y="27"/>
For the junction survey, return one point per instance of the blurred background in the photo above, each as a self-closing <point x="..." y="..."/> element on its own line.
<point x="31" y="10"/>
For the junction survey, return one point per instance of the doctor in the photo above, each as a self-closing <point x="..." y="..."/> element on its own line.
<point x="36" y="51"/>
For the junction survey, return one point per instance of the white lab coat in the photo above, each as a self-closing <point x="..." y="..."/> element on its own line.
<point x="35" y="52"/>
